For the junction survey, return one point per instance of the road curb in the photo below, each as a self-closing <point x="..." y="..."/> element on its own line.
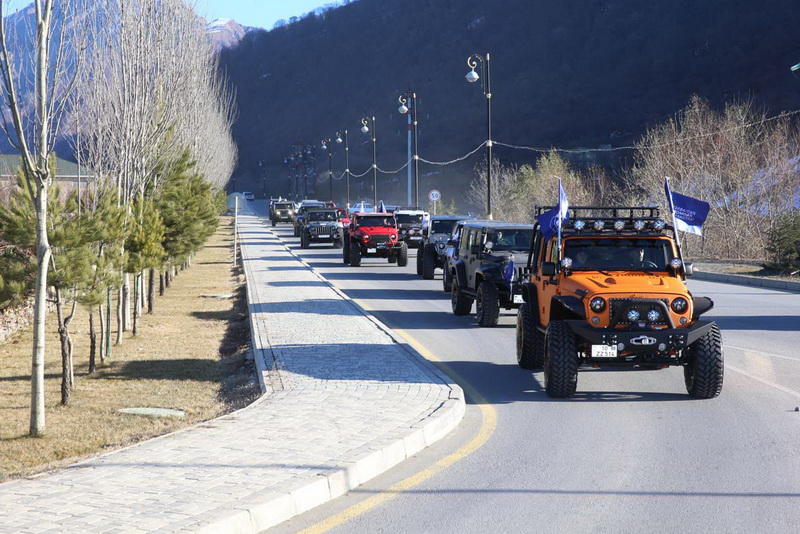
<point x="744" y="280"/>
<point x="270" y="508"/>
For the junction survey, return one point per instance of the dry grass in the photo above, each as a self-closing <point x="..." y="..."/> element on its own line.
<point x="189" y="354"/>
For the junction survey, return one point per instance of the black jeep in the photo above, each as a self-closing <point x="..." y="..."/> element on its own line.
<point x="492" y="258"/>
<point x="281" y="211"/>
<point x="320" y="225"/>
<point x="433" y="249"/>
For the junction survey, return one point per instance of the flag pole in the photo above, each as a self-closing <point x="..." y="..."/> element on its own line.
<point x="558" y="242"/>
<point x="674" y="222"/>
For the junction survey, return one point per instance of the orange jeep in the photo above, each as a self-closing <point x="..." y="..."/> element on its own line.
<point x="611" y="292"/>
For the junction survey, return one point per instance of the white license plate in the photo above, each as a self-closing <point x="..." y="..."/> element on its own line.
<point x="416" y="237"/>
<point x="604" y="351"/>
<point x="372" y="250"/>
<point x="323" y="236"/>
<point x="518" y="299"/>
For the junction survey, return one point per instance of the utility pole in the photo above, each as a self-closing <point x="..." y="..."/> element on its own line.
<point x="485" y="62"/>
<point x="408" y="101"/>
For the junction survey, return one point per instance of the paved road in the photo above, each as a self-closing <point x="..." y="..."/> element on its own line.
<point x="630" y="452"/>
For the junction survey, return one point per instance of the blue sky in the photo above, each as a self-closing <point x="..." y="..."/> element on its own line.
<point x="259" y="13"/>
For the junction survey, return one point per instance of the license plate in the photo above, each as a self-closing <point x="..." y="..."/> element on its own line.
<point x="518" y="299"/>
<point x="416" y="237"/>
<point x="323" y="236"/>
<point x="372" y="250"/>
<point x="604" y="351"/>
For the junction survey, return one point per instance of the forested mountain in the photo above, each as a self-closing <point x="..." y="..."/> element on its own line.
<point x="586" y="74"/>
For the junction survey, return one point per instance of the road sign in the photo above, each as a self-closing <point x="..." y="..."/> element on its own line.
<point x="434" y="195"/>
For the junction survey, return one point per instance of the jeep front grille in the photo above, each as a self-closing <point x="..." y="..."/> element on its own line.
<point x="316" y="230"/>
<point x="643" y="306"/>
<point x="379" y="238"/>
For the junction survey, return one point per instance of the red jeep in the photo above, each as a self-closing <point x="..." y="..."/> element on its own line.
<point x="373" y="235"/>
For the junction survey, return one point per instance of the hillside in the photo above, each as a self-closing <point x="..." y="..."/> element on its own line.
<point x="564" y="73"/>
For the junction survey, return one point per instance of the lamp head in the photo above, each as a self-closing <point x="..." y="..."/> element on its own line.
<point x="472" y="76"/>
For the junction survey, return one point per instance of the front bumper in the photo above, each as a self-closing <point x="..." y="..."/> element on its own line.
<point x="641" y="341"/>
<point x="381" y="249"/>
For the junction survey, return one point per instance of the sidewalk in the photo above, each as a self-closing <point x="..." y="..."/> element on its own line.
<point x="346" y="403"/>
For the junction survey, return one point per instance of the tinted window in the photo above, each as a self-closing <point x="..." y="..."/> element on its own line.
<point x="376" y="220"/>
<point x="512" y="239"/>
<point x="322" y="216"/>
<point x="442" y="227"/>
<point x="284" y="205"/>
<point x="623" y="254"/>
<point x="403" y="218"/>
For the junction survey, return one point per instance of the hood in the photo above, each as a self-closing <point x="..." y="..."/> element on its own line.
<point x="628" y="282"/>
<point x="439" y="238"/>
<point x="377" y="230"/>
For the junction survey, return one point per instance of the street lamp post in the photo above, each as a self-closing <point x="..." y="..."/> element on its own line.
<point x="327" y="145"/>
<point x="367" y="126"/>
<point x="341" y="137"/>
<point x="484" y="61"/>
<point x="408" y="102"/>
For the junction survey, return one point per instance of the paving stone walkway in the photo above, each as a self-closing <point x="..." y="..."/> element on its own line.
<point x="346" y="402"/>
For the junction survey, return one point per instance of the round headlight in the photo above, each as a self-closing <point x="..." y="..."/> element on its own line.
<point x="599" y="225"/>
<point x="619" y="225"/>
<point x="440" y="246"/>
<point x="653" y="316"/>
<point x="365" y="237"/>
<point x="566" y="263"/>
<point x="597" y="304"/>
<point x="638" y="225"/>
<point x="633" y="315"/>
<point x="679" y="305"/>
<point x="659" y="225"/>
<point x="392" y="236"/>
<point x="579" y="225"/>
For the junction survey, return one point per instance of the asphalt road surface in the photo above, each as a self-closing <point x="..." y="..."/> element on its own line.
<point x="631" y="452"/>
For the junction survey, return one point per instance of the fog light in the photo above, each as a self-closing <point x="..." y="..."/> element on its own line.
<point x="684" y="320"/>
<point x="621" y="346"/>
<point x="659" y="225"/>
<point x="638" y="226"/>
<point x="619" y="225"/>
<point x="599" y="225"/>
<point x="579" y="225"/>
<point x="633" y="315"/>
<point x="662" y="347"/>
<point x="595" y="320"/>
<point x="653" y="316"/>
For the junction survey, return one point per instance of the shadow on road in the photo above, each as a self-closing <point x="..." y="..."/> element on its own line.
<point x="787" y="323"/>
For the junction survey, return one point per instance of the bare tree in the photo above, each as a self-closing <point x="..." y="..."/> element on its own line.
<point x="33" y="134"/>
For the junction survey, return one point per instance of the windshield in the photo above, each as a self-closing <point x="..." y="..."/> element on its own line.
<point x="284" y="206"/>
<point x="511" y="239"/>
<point x="406" y="218"/>
<point x="442" y="227"/>
<point x="376" y="220"/>
<point x="611" y="254"/>
<point x="322" y="216"/>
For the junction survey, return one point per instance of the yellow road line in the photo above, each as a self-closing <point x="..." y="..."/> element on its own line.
<point x="488" y="425"/>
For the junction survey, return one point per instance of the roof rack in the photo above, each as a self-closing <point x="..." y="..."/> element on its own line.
<point x="608" y="212"/>
<point x="613" y="220"/>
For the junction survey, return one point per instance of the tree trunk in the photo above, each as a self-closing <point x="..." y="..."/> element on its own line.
<point x="161" y="283"/>
<point x="135" y="322"/>
<point x="126" y="302"/>
<point x="108" y="322"/>
<point x="37" y="422"/>
<point x="92" y="344"/>
<point x="168" y="277"/>
<point x="119" y="317"/>
<point x="64" y="339"/>
<point x="151" y="290"/>
<point x="102" y="345"/>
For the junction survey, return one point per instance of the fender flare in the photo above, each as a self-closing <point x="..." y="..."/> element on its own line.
<point x="566" y="307"/>
<point x="461" y="273"/>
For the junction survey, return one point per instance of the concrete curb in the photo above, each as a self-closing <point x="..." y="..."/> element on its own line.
<point x="744" y="280"/>
<point x="267" y="509"/>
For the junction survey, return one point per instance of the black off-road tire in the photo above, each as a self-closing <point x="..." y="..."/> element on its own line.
<point x="272" y="221"/>
<point x="447" y="280"/>
<point x="304" y="240"/>
<point x="419" y="261"/>
<point x="296" y="231"/>
<point x="402" y="255"/>
<point x="487" y="306"/>
<point x="346" y="249"/>
<point x="428" y="261"/>
<point x="530" y="340"/>
<point x="461" y="304"/>
<point x="705" y="369"/>
<point x="355" y="254"/>
<point x="560" y="361"/>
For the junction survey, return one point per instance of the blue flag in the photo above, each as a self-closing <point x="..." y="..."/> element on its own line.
<point x="552" y="220"/>
<point x="688" y="213"/>
<point x="381" y="207"/>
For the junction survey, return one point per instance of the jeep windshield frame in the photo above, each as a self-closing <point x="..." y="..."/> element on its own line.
<point x="323" y="216"/>
<point x="387" y="221"/>
<point x="439" y="226"/>
<point x="509" y="239"/>
<point x="408" y="218"/>
<point x="609" y="253"/>
<point x="284" y="206"/>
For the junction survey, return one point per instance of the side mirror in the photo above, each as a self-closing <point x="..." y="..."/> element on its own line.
<point x="488" y="246"/>
<point x="475" y="250"/>
<point x="548" y="268"/>
<point x="688" y="269"/>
